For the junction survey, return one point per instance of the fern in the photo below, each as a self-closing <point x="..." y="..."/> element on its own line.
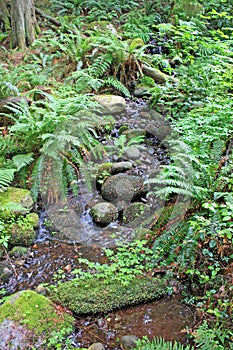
<point x="21" y="160"/>
<point x="117" y="85"/>
<point x="160" y="344"/>
<point x="179" y="176"/>
<point x="101" y="65"/>
<point x="7" y="89"/>
<point x="36" y="177"/>
<point x="6" y="178"/>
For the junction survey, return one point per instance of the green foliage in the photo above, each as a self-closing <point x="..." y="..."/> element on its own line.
<point x="122" y="143"/>
<point x="160" y="344"/>
<point x="178" y="177"/>
<point x="217" y="338"/>
<point x="6" y="178"/>
<point x="7" y="89"/>
<point x="125" y="263"/>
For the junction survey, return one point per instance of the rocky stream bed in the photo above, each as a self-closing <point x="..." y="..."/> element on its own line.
<point x="112" y="206"/>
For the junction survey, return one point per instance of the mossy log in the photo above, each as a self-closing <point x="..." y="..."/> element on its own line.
<point x="157" y="75"/>
<point x="104" y="295"/>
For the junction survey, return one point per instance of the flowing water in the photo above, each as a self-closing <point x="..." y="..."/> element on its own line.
<point x="50" y="258"/>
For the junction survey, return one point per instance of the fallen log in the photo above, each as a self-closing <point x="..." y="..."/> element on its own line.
<point x="157" y="75"/>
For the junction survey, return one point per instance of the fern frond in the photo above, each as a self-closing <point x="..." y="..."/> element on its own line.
<point x="101" y="65"/>
<point x="6" y="178"/>
<point x="36" y="178"/>
<point x="7" y="89"/>
<point x="116" y="84"/>
<point x="160" y="344"/>
<point x="21" y="160"/>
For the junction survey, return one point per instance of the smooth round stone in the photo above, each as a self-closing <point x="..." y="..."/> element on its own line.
<point x="104" y="213"/>
<point x="132" y="153"/>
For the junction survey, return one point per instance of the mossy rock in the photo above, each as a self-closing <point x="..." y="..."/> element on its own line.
<point x="22" y="231"/>
<point x="131" y="133"/>
<point x="19" y="252"/>
<point x="16" y="200"/>
<point x="104" y="295"/>
<point x="103" y="172"/>
<point x="136" y="213"/>
<point x="36" y="314"/>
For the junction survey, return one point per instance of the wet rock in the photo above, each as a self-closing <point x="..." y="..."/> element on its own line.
<point x="160" y="130"/>
<point x="134" y="133"/>
<point x="19" y="262"/>
<point x="122" y="187"/>
<point x="5" y="273"/>
<point x="14" y="336"/>
<point x="132" y="153"/>
<point x="128" y="341"/>
<point x="104" y="213"/>
<point x="112" y="104"/>
<point x="121" y="205"/>
<point x="17" y="200"/>
<point x="41" y="290"/>
<point x="120" y="167"/>
<point x="96" y="346"/>
<point x="136" y="213"/>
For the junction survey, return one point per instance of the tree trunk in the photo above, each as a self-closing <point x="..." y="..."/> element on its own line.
<point x="23" y="23"/>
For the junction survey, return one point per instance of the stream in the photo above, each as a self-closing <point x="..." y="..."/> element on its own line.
<point x="68" y="232"/>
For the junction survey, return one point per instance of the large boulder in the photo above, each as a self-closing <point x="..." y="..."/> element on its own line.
<point x="28" y="319"/>
<point x="112" y="104"/>
<point x="122" y="187"/>
<point x="17" y="200"/>
<point x="104" y="213"/>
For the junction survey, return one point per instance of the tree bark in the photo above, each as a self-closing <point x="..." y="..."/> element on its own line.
<point x="23" y="23"/>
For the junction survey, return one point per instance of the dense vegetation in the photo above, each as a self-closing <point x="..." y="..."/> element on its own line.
<point x="102" y="46"/>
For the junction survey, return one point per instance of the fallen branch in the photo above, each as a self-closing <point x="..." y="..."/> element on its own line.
<point x="53" y="20"/>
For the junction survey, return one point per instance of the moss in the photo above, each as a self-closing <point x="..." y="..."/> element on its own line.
<point x="35" y="311"/>
<point x="136" y="213"/>
<point x="21" y="233"/>
<point x="18" y="252"/>
<point x="101" y="296"/>
<point x="103" y="172"/>
<point x="17" y="200"/>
